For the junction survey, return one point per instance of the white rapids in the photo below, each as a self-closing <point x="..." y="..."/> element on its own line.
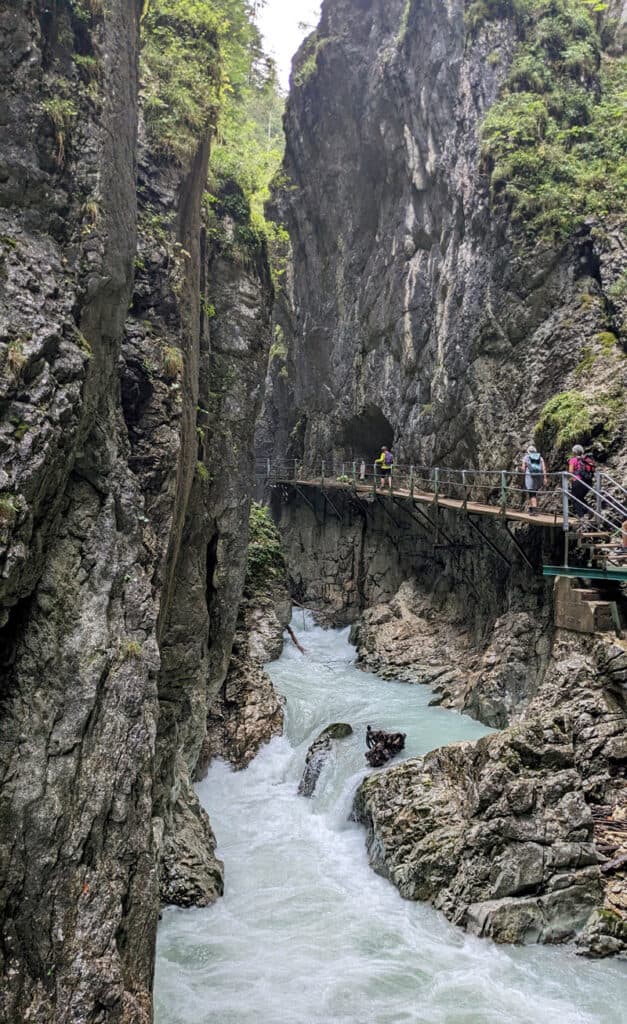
<point x="307" y="933"/>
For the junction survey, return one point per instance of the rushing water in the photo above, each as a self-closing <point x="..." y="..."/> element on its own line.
<point x="306" y="932"/>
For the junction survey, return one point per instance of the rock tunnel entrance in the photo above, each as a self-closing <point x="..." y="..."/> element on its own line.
<point x="364" y="434"/>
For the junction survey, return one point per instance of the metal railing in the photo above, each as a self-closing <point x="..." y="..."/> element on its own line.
<point x="497" y="488"/>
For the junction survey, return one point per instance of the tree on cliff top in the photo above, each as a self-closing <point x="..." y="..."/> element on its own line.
<point x="205" y="73"/>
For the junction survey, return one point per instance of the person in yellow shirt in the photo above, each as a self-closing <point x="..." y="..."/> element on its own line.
<point x="385" y="463"/>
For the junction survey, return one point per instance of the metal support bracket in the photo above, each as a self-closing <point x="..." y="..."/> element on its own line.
<point x="518" y="546"/>
<point x="302" y="494"/>
<point x="387" y="511"/>
<point x="424" y="518"/>
<point x="327" y="498"/>
<point x="493" y="547"/>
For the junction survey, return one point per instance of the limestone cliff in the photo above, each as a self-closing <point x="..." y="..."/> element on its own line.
<point x="127" y="415"/>
<point x="419" y="311"/>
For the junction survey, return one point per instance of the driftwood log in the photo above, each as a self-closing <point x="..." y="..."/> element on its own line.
<point x="295" y="640"/>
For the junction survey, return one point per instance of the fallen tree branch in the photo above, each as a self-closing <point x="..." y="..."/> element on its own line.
<point x="295" y="640"/>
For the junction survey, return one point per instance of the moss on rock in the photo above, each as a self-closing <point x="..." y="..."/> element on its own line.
<point x="266" y="564"/>
<point x="575" y="418"/>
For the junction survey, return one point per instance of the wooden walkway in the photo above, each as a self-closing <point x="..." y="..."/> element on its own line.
<point x="424" y="498"/>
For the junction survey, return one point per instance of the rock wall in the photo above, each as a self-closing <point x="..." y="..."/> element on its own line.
<point x="411" y="314"/>
<point x="431" y="600"/>
<point x="125" y="475"/>
<point x="347" y="552"/>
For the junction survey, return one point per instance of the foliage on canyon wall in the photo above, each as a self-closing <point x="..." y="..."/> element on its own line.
<point x="204" y="69"/>
<point x="555" y="143"/>
<point x="573" y="417"/>
<point x="266" y="564"/>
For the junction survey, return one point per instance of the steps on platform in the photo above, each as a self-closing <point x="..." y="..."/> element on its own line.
<point x="585" y="609"/>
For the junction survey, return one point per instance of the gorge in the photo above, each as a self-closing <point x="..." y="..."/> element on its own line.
<point x="442" y="271"/>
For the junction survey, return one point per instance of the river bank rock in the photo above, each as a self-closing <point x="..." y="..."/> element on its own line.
<point x="247" y="711"/>
<point x="318" y="754"/>
<point x="500" y="834"/>
<point x="266" y="620"/>
<point x="409" y="639"/>
<point x="245" y="715"/>
<point x="191" y="874"/>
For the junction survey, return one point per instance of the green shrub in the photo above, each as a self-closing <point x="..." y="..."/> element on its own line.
<point x="172" y="362"/>
<point x="181" y="75"/>
<point x="63" y="113"/>
<point x="555" y="143"/>
<point x="203" y="473"/>
<point x="265" y="563"/>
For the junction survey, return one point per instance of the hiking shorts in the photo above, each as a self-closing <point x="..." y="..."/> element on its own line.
<point x="534" y="483"/>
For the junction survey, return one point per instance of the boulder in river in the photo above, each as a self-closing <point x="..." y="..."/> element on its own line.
<point x="382" y="746"/>
<point x="318" y="753"/>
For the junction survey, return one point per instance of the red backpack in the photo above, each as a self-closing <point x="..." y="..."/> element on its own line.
<point x="586" y="468"/>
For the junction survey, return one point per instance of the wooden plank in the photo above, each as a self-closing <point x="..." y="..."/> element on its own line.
<point x="477" y="508"/>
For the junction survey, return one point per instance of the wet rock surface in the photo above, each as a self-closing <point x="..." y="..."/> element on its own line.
<point x="500" y="834"/>
<point x="318" y="755"/>
<point x="247" y="711"/>
<point x="191" y="874"/>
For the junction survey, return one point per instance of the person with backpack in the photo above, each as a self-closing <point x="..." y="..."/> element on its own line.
<point x="582" y="468"/>
<point x="385" y="463"/>
<point x="534" y="468"/>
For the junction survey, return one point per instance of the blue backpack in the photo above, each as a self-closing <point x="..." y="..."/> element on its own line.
<point x="534" y="463"/>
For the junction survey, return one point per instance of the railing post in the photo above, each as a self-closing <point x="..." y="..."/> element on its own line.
<point x="436" y="484"/>
<point x="411" y="481"/>
<point x="503" y="491"/>
<point x="565" y="500"/>
<point x="295" y="469"/>
<point x="322" y="475"/>
<point x="268" y="469"/>
<point x="598" y="484"/>
<point x="374" y="478"/>
<point x="465" y="502"/>
<point x="354" y="474"/>
<point x="343" y="473"/>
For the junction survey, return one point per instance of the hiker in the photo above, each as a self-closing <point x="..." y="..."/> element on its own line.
<point x="581" y="467"/>
<point x="385" y="463"/>
<point x="535" y="476"/>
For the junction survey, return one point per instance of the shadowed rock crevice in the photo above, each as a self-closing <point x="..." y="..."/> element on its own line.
<point x="364" y="434"/>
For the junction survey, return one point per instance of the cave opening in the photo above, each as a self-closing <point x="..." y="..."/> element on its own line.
<point x="364" y="434"/>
